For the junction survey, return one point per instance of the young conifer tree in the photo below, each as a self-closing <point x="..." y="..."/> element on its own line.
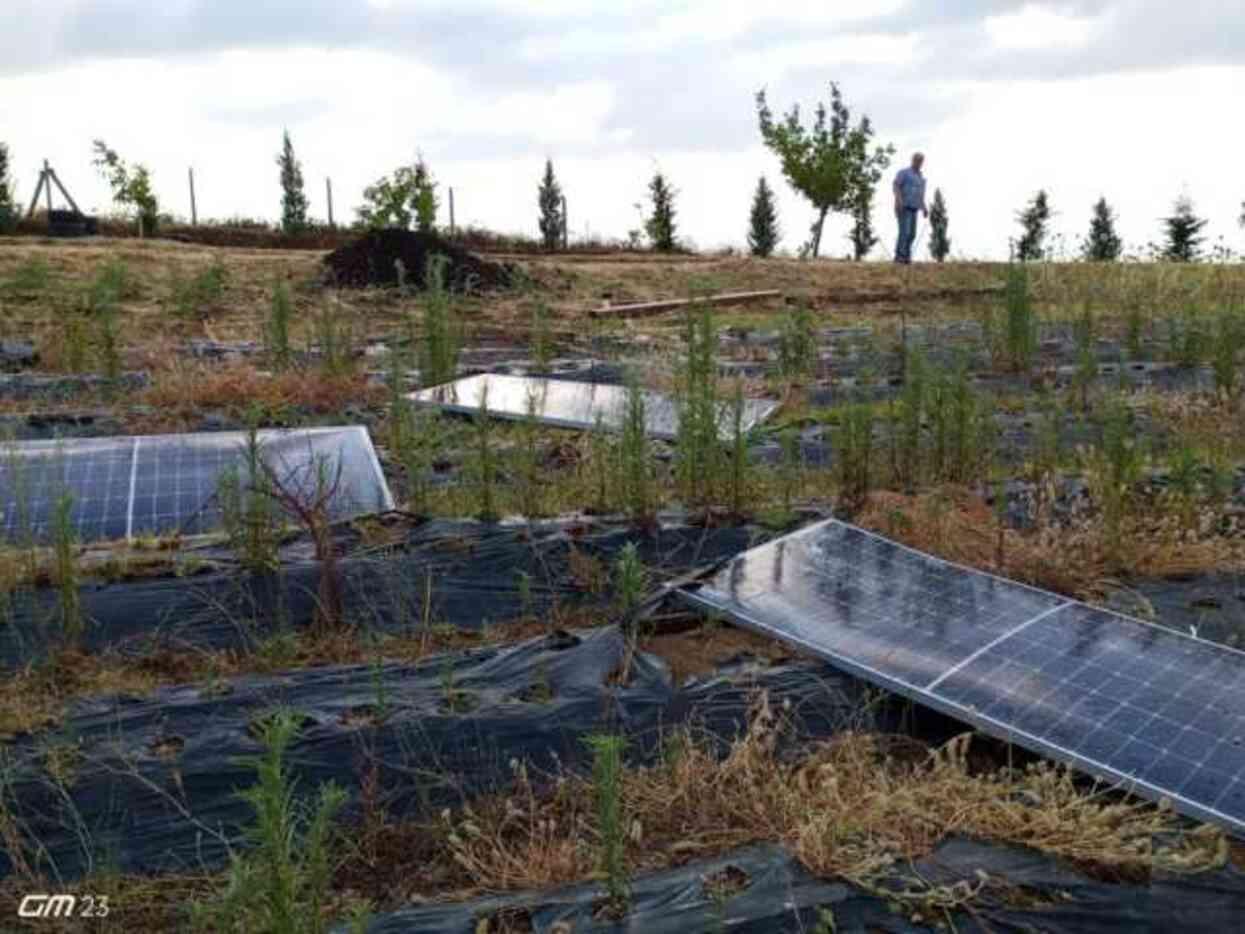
<point x="939" y="240"/>
<point x="1033" y="220"/>
<point x="293" y="194"/>
<point x="549" y="198"/>
<point x="1104" y="244"/>
<point x="1183" y="230"/>
<point x="763" y="233"/>
<point x="660" y="225"/>
<point x="8" y="207"/>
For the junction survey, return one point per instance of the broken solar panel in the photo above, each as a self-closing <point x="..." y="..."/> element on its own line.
<point x="1159" y="711"/>
<point x="569" y="404"/>
<point x="159" y="484"/>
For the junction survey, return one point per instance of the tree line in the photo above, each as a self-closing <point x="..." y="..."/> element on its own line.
<point x="833" y="162"/>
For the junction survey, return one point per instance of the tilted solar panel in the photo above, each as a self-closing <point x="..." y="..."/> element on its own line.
<point x="570" y="404"/>
<point x="1160" y="711"/>
<point x="158" y="484"/>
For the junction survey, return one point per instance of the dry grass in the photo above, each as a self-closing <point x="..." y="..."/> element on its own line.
<point x="37" y="696"/>
<point x="848" y="808"/>
<point x="181" y="393"/>
<point x="859" y="807"/>
<point x="1077" y="560"/>
<point x="700" y="649"/>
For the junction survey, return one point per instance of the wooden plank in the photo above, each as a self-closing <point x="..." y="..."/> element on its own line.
<point x="645" y="309"/>
<point x="34" y="202"/>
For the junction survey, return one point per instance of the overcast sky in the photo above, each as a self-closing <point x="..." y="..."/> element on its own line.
<point x="1137" y="100"/>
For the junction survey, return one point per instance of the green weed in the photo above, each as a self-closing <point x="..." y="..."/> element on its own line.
<point x="607" y="753"/>
<point x="277" y="328"/>
<point x="1021" y="333"/>
<point x="199" y="295"/>
<point x="853" y="455"/>
<point x="64" y="550"/>
<point x="797" y="346"/>
<point x="283" y="885"/>
<point x="442" y="338"/>
<point x="698" y="452"/>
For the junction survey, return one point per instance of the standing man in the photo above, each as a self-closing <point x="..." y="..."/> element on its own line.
<point x="909" y="191"/>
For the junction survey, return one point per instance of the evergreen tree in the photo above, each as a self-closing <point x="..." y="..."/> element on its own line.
<point x="1103" y="245"/>
<point x="549" y="198"/>
<point x="1033" y="220"/>
<point x="763" y="233"/>
<point x="660" y="224"/>
<point x="826" y="162"/>
<point x="8" y="208"/>
<point x="1184" y="233"/>
<point x="293" y="195"/>
<point x="939" y="241"/>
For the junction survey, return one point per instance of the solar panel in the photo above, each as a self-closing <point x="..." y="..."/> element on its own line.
<point x="1157" y="710"/>
<point x="571" y="404"/>
<point x="123" y="487"/>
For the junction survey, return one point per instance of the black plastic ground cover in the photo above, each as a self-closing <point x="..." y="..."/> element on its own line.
<point x="778" y="896"/>
<point x="150" y="784"/>
<point x="448" y="572"/>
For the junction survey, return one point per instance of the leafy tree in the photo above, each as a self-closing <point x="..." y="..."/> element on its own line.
<point x="293" y="195"/>
<point x="827" y="162"/>
<point x="763" y="232"/>
<point x="939" y="241"/>
<point x="660" y="224"/>
<point x="549" y="197"/>
<point x="8" y="207"/>
<point x="1184" y="233"/>
<point x="426" y="202"/>
<point x="131" y="185"/>
<point x="1033" y="220"/>
<point x="409" y="194"/>
<point x="1104" y="244"/>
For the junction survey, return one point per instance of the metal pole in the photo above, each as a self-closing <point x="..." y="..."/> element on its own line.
<point x="328" y="191"/>
<point x="451" y="212"/>
<point x="47" y="180"/>
<point x="566" y="237"/>
<point x="194" y="211"/>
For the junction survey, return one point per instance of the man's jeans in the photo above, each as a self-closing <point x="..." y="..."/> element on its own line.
<point x="907" y="233"/>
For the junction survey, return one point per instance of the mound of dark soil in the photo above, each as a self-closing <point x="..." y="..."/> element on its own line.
<point x="372" y="260"/>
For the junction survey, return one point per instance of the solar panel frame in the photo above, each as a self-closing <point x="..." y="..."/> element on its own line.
<point x="940" y="693"/>
<point x="508" y="400"/>
<point x="168" y="483"/>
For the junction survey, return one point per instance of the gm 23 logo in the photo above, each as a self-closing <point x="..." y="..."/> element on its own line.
<point x="63" y="906"/>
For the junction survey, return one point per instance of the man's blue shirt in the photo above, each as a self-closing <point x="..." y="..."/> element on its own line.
<point x="911" y="188"/>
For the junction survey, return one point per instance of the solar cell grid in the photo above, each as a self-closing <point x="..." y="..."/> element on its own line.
<point x="569" y="403"/>
<point x="1156" y="709"/>
<point x="123" y="487"/>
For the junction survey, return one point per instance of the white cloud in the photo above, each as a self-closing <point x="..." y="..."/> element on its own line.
<point x="608" y="105"/>
<point x="1038" y="27"/>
